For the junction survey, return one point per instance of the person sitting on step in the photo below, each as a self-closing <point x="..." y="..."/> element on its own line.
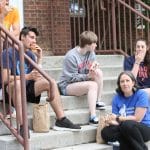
<point x="81" y="74"/>
<point x="129" y="122"/>
<point x="35" y="83"/>
<point x="139" y="64"/>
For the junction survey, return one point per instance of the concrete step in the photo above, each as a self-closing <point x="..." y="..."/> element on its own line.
<point x="78" y="116"/>
<point x="75" y="108"/>
<point x="109" y="84"/>
<point x="59" y="140"/>
<point x="104" y="60"/>
<point x="52" y="139"/>
<point x="89" y="146"/>
<point x="107" y="71"/>
<point x="75" y="102"/>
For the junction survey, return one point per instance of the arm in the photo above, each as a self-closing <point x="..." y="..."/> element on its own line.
<point x="131" y="65"/>
<point x="138" y="116"/>
<point x="70" y="70"/>
<point x="34" y="75"/>
<point x="141" y="106"/>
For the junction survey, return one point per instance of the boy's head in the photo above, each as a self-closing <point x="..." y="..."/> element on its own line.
<point x="87" y="38"/>
<point x="25" y="31"/>
<point x="28" y="36"/>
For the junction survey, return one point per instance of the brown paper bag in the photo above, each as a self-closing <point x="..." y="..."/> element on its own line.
<point x="101" y="125"/>
<point x="41" y="119"/>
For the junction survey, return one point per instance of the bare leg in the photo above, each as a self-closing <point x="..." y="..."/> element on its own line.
<point x="17" y="99"/>
<point x="99" y="80"/>
<point x="86" y="87"/>
<point x="43" y="85"/>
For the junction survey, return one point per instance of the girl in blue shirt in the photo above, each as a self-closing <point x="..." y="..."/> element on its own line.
<point x="129" y="122"/>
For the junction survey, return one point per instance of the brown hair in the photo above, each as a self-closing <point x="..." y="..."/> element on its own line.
<point x="87" y="37"/>
<point x="147" y="55"/>
<point x="130" y="74"/>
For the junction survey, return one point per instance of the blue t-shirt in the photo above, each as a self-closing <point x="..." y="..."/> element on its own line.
<point x="27" y="66"/>
<point x="126" y="106"/>
<point x="143" y="79"/>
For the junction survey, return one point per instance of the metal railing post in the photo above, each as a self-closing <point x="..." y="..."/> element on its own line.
<point x="114" y="25"/>
<point x="24" y="101"/>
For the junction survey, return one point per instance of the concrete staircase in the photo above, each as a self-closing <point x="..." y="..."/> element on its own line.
<point x="76" y="109"/>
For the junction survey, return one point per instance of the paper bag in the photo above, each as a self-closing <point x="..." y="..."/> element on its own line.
<point x="101" y="125"/>
<point x="41" y="118"/>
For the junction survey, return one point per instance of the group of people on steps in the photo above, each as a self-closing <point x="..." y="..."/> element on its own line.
<point x="129" y="122"/>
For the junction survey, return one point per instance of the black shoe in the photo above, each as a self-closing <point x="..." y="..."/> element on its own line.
<point x="100" y="105"/>
<point x="66" y="125"/>
<point x="22" y="131"/>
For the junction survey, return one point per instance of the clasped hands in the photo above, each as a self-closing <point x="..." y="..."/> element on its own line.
<point x="35" y="75"/>
<point x="110" y="119"/>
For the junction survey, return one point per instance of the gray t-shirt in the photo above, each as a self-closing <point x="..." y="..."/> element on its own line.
<point x="75" y="67"/>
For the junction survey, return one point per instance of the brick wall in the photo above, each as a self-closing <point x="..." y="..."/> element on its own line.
<point x="51" y="17"/>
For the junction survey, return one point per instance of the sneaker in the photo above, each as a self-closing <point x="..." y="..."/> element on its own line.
<point x="12" y="112"/>
<point x="66" y="125"/>
<point x="22" y="131"/>
<point x="93" y="120"/>
<point x="100" y="105"/>
<point x="116" y="143"/>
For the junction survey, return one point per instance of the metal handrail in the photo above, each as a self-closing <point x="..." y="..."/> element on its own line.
<point x="135" y="11"/>
<point x="143" y="4"/>
<point x="5" y="35"/>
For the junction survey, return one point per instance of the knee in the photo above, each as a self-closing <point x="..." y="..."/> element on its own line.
<point x="93" y="85"/>
<point x="47" y="83"/>
<point x="107" y="135"/>
<point x="126" y="126"/>
<point x="99" y="73"/>
<point x="16" y="85"/>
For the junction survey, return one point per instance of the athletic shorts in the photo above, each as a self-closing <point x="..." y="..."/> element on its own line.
<point x="30" y="93"/>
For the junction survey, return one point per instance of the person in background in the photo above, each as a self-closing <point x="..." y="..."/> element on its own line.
<point x="35" y="83"/>
<point x="129" y="122"/>
<point x="9" y="17"/>
<point x="139" y="64"/>
<point x="81" y="74"/>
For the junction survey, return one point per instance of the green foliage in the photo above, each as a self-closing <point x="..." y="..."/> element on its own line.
<point x="146" y="1"/>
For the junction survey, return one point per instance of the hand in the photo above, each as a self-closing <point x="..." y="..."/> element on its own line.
<point x="111" y="119"/>
<point x="34" y="75"/>
<point x="139" y="56"/>
<point x="95" y="65"/>
<point x="92" y="74"/>
<point x="36" y="49"/>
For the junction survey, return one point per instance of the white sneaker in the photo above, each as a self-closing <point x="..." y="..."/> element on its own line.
<point x="100" y="105"/>
<point x="13" y="113"/>
<point x="116" y="143"/>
